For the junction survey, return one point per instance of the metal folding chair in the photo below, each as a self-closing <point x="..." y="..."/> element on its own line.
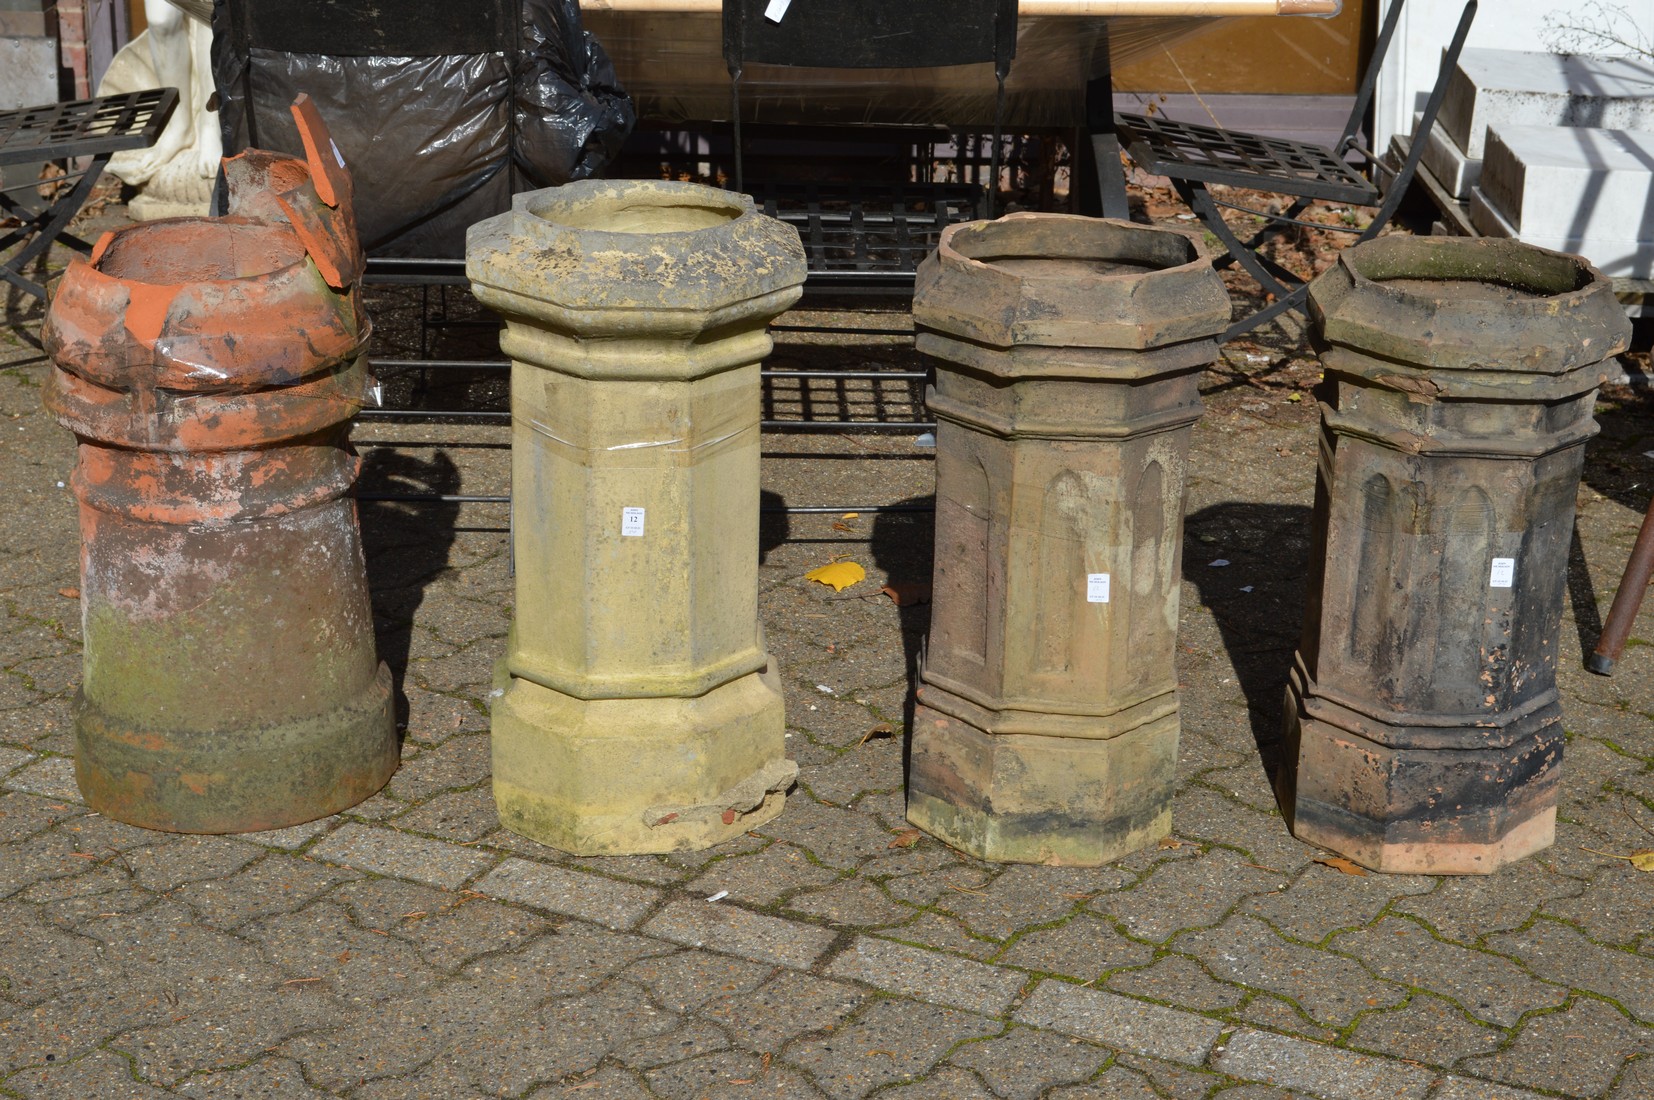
<point x="867" y="233"/>
<point x="95" y="128"/>
<point x="1194" y="156"/>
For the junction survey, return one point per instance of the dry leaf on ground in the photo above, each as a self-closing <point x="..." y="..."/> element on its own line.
<point x="1642" y="858"/>
<point x="907" y="593"/>
<point x="907" y="838"/>
<point x="1339" y="863"/>
<point x="883" y="729"/>
<point x="840" y="574"/>
<point x="69" y="593"/>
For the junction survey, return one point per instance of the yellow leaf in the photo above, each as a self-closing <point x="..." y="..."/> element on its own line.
<point x="1339" y="863"/>
<point x="840" y="574"/>
<point x="1296" y="397"/>
<point x="850" y="515"/>
<point x="1643" y="859"/>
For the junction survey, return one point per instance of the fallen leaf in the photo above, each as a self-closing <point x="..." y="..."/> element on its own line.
<point x="1642" y="858"/>
<point x="883" y="729"/>
<point x="69" y="593"/>
<point x="729" y="817"/>
<point x="840" y="574"/>
<point x="851" y="515"/>
<point x="907" y="838"/>
<point x="667" y="820"/>
<point x="907" y="593"/>
<point x="1296" y="398"/>
<point x="842" y="527"/>
<point x="1339" y="863"/>
<point x="1170" y="842"/>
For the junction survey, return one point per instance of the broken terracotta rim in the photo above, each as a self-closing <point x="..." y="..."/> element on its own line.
<point x="189" y="251"/>
<point x="1062" y="248"/>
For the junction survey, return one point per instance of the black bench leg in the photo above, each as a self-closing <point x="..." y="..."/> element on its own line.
<point x="49" y="226"/>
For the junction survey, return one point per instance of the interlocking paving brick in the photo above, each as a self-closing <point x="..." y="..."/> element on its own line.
<point x="730" y="1075"/>
<point x="1425" y="1029"/>
<point x="608" y="1083"/>
<point x="1563" y="955"/>
<point x="276" y="884"/>
<point x="270" y="1079"/>
<point x="1082" y="947"/>
<point x="448" y="931"/>
<point x="319" y="949"/>
<point x="1021" y="895"/>
<point x="1463" y="1088"/>
<point x="1547" y="1052"/>
<point x="1190" y="893"/>
<point x="892" y="1041"/>
<point x="787" y="1006"/>
<point x="22" y="814"/>
<point x="1120" y="1022"/>
<point x="762" y="877"/>
<point x="1322" y="901"/>
<point x="947" y="1083"/>
<point x="388" y="852"/>
<point x="735" y="931"/>
<point x="1613" y="907"/>
<point x="455" y="815"/>
<point x="293" y="837"/>
<point x="1181" y="981"/>
<point x="98" y="1074"/>
<point x="1331" y="988"/>
<point x="835" y="836"/>
<point x="850" y="903"/>
<point x="1322" y="1070"/>
<point x="688" y="1039"/>
<point x="13" y="758"/>
<point x="571" y="893"/>
<point x="53" y="777"/>
<point x="564" y="1038"/>
<point x="686" y="980"/>
<point x="1487" y="986"/>
<point x="928" y="975"/>
<point x="1026" y="1062"/>
<point x="1470" y="906"/>
<point x="1118" y="1083"/>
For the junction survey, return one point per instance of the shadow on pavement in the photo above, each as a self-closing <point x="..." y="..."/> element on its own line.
<point x="903" y="546"/>
<point x="1267" y="548"/>
<point x="407" y="544"/>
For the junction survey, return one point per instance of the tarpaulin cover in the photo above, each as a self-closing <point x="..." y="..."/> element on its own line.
<point x="441" y="112"/>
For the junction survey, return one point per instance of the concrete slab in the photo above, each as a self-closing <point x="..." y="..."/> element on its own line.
<point x="1502" y="88"/>
<point x="1456" y="172"/>
<point x="1579" y="190"/>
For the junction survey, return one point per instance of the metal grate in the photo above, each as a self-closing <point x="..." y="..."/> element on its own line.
<point x="1162" y="146"/>
<point x="85" y="127"/>
<point x="853" y="230"/>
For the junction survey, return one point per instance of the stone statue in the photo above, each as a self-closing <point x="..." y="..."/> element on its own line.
<point x="174" y="176"/>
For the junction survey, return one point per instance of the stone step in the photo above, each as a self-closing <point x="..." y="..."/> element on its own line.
<point x="1502" y="88"/>
<point x="1574" y="189"/>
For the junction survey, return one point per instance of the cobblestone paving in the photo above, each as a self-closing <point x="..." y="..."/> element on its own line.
<point x="411" y="948"/>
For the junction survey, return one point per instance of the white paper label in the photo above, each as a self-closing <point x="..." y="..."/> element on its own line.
<point x="776" y="9"/>
<point x="1096" y="588"/>
<point x="338" y="156"/>
<point x="377" y="393"/>
<point x="631" y="522"/>
<point x="1503" y="573"/>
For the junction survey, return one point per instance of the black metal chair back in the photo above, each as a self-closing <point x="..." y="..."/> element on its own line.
<point x="1193" y="156"/>
<point x="869" y="34"/>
